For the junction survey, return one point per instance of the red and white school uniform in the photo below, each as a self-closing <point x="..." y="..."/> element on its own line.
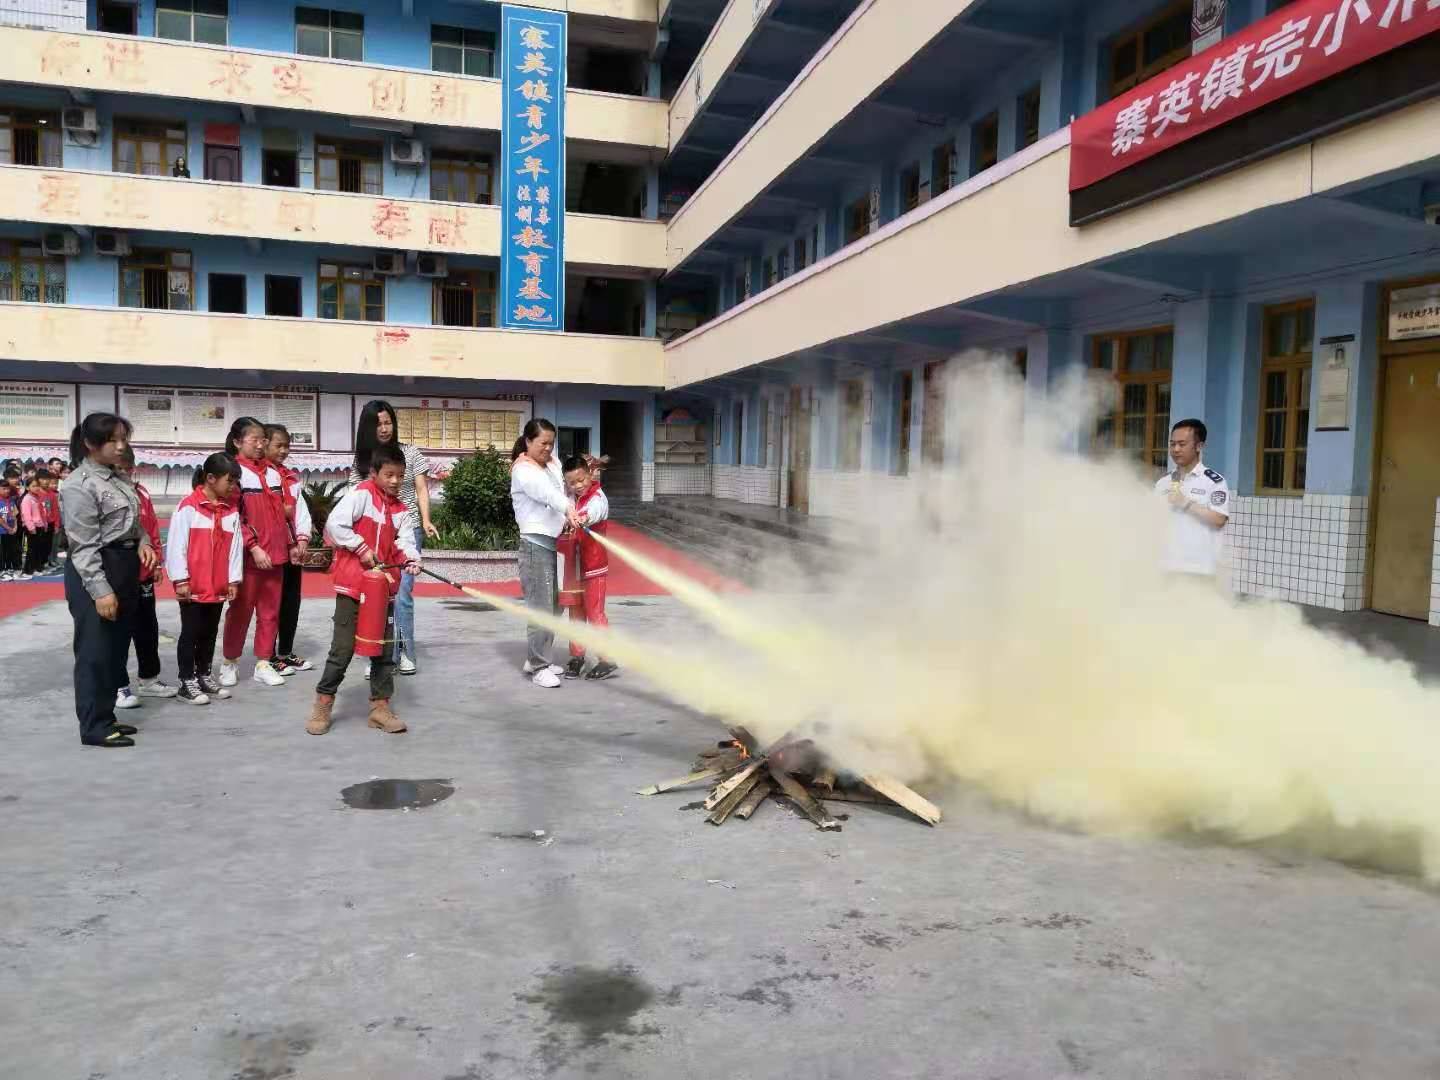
<point x="583" y="583"/>
<point x="205" y="548"/>
<point x="264" y="526"/>
<point x="368" y="520"/>
<point x="297" y="510"/>
<point x="151" y="524"/>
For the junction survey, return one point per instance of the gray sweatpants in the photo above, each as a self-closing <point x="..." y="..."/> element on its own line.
<point x="537" y="580"/>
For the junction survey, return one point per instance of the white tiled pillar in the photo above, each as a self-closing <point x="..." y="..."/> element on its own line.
<point x="1309" y="551"/>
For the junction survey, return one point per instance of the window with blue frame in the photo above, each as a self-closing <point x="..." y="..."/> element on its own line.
<point x="338" y="35"/>
<point x="462" y="52"/>
<point x="205" y="21"/>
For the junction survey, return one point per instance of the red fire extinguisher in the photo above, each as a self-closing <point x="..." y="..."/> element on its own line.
<point x="371" y="624"/>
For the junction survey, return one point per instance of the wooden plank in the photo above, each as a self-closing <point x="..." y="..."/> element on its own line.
<point x="811" y="809"/>
<point x="722" y="790"/>
<point x="854" y="795"/>
<point x="824" y="779"/>
<point x="743" y="737"/>
<point x="901" y="795"/>
<point x="682" y="781"/>
<point x="758" y="794"/>
<point x="727" y="806"/>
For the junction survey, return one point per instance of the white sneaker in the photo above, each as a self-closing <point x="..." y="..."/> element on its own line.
<point x="533" y="669"/>
<point x="22" y="576"/>
<point x="547" y="678"/>
<point x="407" y="666"/>
<point x="124" y="699"/>
<point x="229" y="674"/>
<point x="156" y="688"/>
<point x="265" y="673"/>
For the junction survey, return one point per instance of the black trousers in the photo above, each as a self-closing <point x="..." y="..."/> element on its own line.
<point x="37" y="550"/>
<point x="147" y="633"/>
<point x="12" y="547"/>
<point x="342" y="651"/>
<point x="289" y="609"/>
<point x="199" y="624"/>
<point x="101" y="645"/>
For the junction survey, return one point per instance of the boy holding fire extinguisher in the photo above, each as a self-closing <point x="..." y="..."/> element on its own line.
<point x="371" y="532"/>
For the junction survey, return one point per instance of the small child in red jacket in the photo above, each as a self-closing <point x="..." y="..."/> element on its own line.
<point x="583" y="585"/>
<point x="369" y="527"/>
<point x="205" y="560"/>
<point x="146" y="626"/>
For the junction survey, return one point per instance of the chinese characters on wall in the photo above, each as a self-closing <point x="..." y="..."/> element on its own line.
<point x="532" y="273"/>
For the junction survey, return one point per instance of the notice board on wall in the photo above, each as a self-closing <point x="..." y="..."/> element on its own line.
<point x="37" y="410"/>
<point x="201" y="417"/>
<point x="460" y="423"/>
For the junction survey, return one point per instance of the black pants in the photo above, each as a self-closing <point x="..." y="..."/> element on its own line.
<point x="147" y="633"/>
<point x="199" y="624"/>
<point x="101" y="645"/>
<point x="37" y="550"/>
<point x="289" y="610"/>
<point x="342" y="651"/>
<point x="12" y="547"/>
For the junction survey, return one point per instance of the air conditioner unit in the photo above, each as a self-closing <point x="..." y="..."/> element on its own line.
<point x="60" y="242"/>
<point x="431" y="266"/>
<point x="407" y="152"/>
<point x="79" y="119"/>
<point x="111" y="243"/>
<point x="389" y="263"/>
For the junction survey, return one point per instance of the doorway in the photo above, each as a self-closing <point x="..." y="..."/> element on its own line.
<point x="620" y="439"/>
<point x="1408" y="485"/>
<point x="227" y="293"/>
<point x="572" y="440"/>
<point x="282" y="296"/>
<point x="112" y="18"/>
<point x="222" y="163"/>
<point x="799" y="463"/>
<point x="280" y="168"/>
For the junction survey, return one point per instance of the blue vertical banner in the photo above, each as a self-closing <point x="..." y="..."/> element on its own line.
<point x="532" y="136"/>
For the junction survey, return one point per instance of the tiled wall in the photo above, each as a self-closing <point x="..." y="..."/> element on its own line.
<point x="682" y="479"/>
<point x="1435" y="573"/>
<point x="647" y="481"/>
<point x="1309" y="550"/>
<point x="747" y="483"/>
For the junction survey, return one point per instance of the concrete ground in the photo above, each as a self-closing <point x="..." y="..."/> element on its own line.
<point x="207" y="907"/>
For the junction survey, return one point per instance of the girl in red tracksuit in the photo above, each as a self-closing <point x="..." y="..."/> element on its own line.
<point x="297" y="512"/>
<point x="369" y="527"/>
<point x="586" y="563"/>
<point x="266" y="534"/>
<point x="204" y="559"/>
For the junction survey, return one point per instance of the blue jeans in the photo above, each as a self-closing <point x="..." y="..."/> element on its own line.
<point x="405" y="607"/>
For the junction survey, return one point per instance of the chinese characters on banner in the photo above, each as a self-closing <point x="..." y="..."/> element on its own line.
<point x="532" y="270"/>
<point x="1303" y="43"/>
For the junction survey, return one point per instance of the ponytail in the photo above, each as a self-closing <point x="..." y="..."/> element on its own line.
<point x="93" y="432"/>
<point x="219" y="464"/>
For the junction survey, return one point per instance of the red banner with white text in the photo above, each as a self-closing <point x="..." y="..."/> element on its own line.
<point x="1303" y="43"/>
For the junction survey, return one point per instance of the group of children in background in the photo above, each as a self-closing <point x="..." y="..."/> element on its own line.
<point x="31" y="538"/>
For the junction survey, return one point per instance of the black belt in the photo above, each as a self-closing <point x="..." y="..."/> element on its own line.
<point x="120" y="545"/>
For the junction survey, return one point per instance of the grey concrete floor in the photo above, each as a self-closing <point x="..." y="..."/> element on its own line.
<point x="205" y="907"/>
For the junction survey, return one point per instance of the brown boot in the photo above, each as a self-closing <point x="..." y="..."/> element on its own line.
<point x="381" y="717"/>
<point x="319" y="722"/>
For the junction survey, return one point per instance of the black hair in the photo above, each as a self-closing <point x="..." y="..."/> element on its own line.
<point x="366" y="433"/>
<point x="41" y="474"/>
<point x="217" y="464"/>
<point x="12" y="473"/>
<point x="531" y="431"/>
<point x="241" y="425"/>
<point x="575" y="461"/>
<point x="386" y="454"/>
<point x="271" y="430"/>
<point x="1197" y="426"/>
<point x="53" y="460"/>
<point x="95" y="431"/>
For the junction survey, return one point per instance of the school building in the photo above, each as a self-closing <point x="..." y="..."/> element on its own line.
<point x="734" y="244"/>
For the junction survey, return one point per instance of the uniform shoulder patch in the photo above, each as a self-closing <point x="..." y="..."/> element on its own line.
<point x="1215" y="477"/>
<point x="1217" y="498"/>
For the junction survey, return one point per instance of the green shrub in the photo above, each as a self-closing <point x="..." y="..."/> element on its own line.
<point x="321" y="498"/>
<point x="476" y="514"/>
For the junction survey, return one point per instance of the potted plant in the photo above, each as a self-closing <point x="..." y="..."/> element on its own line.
<point x="321" y="498"/>
<point x="476" y="521"/>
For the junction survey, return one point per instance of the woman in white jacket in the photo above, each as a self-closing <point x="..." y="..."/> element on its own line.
<point x="542" y="509"/>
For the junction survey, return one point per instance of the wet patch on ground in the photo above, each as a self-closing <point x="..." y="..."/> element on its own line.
<point x="589" y="1007"/>
<point x="776" y="990"/>
<point x="397" y="794"/>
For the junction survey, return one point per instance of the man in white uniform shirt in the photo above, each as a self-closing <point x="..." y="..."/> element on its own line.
<point x="1199" y="504"/>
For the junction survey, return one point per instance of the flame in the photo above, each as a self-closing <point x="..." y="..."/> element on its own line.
<point x="738" y="745"/>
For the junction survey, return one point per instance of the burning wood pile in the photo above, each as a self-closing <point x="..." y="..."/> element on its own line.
<point x="745" y="775"/>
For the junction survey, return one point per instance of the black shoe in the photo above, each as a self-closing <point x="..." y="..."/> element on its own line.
<point x="125" y="729"/>
<point x="574" y="667"/>
<point x="603" y="670"/>
<point x="115" y="739"/>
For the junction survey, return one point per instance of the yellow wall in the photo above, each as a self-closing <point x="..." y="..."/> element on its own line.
<point x="883" y="39"/>
<point x="209" y="208"/>
<point x="56" y="333"/>
<point x="1021" y="226"/>
<point x="273" y="80"/>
